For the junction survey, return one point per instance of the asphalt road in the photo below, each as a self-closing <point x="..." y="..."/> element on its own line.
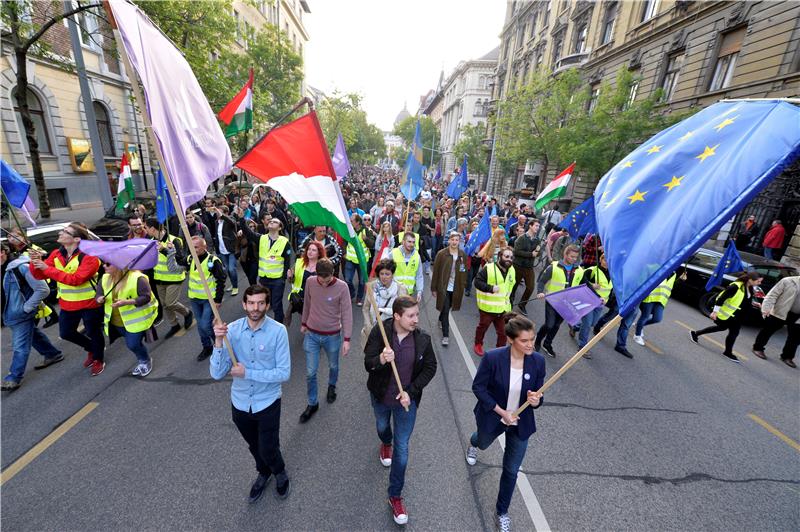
<point x="665" y="441"/>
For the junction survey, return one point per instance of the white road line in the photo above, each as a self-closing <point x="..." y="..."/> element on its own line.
<point x="528" y="496"/>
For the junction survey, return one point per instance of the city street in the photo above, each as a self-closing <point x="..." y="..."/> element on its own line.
<point x="679" y="438"/>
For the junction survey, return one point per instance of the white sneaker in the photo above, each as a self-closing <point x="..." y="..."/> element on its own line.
<point x="445" y="341"/>
<point x="472" y="455"/>
<point x="504" y="523"/>
<point x="639" y="339"/>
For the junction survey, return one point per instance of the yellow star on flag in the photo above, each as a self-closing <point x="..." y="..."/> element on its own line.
<point x="628" y="164"/>
<point x="688" y="135"/>
<point x="637" y="196"/>
<point x="654" y="149"/>
<point x="676" y="181"/>
<point x="728" y="121"/>
<point x="708" y="152"/>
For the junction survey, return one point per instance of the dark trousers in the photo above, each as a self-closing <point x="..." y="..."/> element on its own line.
<point x="527" y="275"/>
<point x="773" y="325"/>
<point x="486" y="319"/>
<point x="732" y="325"/>
<point x="552" y="321"/>
<point x="261" y="431"/>
<point x="512" y="460"/>
<point x="92" y="341"/>
<point x="276" y="287"/>
<point x="474" y="266"/>
<point x="444" y="314"/>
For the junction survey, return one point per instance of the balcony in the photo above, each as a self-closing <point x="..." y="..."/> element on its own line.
<point x="571" y="61"/>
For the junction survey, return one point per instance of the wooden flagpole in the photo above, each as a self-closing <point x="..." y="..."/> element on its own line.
<point x="374" y="304"/>
<point x="167" y="177"/>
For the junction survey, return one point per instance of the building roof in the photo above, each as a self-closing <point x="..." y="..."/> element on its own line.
<point x="491" y="56"/>
<point x="402" y="115"/>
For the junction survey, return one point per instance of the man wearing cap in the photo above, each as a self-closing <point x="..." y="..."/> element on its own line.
<point x="390" y="216"/>
<point x="274" y="252"/>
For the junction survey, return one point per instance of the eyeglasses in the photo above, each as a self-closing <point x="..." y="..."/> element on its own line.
<point x="67" y="233"/>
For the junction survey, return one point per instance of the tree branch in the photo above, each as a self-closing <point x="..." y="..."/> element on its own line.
<point x="47" y="25"/>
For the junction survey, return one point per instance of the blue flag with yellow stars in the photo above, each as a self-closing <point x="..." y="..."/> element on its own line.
<point x="581" y="220"/>
<point x="730" y="262"/>
<point x="164" y="206"/>
<point x="411" y="182"/>
<point x="666" y="198"/>
<point x="460" y="183"/>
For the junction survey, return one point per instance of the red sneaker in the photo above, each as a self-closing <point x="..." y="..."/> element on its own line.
<point x="97" y="368"/>
<point x="398" y="510"/>
<point x="88" y="361"/>
<point x="479" y="350"/>
<point x="386" y="454"/>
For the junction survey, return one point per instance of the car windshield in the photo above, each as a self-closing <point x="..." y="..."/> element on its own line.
<point x="775" y="274"/>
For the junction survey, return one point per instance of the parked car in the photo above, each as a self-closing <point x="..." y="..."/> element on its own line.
<point x="699" y="268"/>
<point x="114" y="224"/>
<point x="46" y="236"/>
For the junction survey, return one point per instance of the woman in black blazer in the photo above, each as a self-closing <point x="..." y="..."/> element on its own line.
<point x="507" y="378"/>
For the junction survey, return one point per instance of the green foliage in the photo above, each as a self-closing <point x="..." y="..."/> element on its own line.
<point x="470" y="142"/>
<point x="342" y="113"/>
<point x="430" y="138"/>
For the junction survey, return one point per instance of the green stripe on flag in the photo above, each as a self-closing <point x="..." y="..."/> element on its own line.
<point x="550" y="196"/>
<point x="240" y="122"/>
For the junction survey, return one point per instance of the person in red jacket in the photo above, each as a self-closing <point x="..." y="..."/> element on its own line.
<point x="75" y="274"/>
<point x="773" y="240"/>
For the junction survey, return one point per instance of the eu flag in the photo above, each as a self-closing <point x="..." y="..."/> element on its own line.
<point x="14" y="186"/>
<point x="480" y="235"/>
<point x="730" y="262"/>
<point x="438" y="172"/>
<point x="581" y="220"/>
<point x="411" y="182"/>
<point x="164" y="206"/>
<point x="460" y="183"/>
<point x="660" y="203"/>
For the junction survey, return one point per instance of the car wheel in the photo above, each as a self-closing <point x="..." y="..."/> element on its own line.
<point x="706" y="303"/>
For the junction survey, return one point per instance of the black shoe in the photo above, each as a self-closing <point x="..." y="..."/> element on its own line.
<point x="257" y="490"/>
<point x="331" y="393"/>
<point x="466" y="294"/>
<point x="537" y="347"/>
<point x="51" y="320"/>
<point x="10" y="385"/>
<point x="549" y="350"/>
<point x="623" y="351"/>
<point x="522" y="309"/>
<point x="308" y="412"/>
<point x="571" y="332"/>
<point x="281" y="486"/>
<point x="172" y="331"/>
<point x="49" y="361"/>
<point x="693" y="337"/>
<point x="187" y="321"/>
<point x="204" y="354"/>
<point x="789" y="362"/>
<point x="731" y="357"/>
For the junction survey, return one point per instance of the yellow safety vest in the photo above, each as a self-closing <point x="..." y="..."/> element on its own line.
<point x="196" y="290"/>
<point x="500" y="302"/>
<point x="600" y="278"/>
<point x="68" y="292"/>
<point x="401" y="237"/>
<point x="662" y="292"/>
<point x="135" y="319"/>
<point x="270" y="259"/>
<point x="161" y="272"/>
<point x="297" y="282"/>
<point x="732" y="304"/>
<point x="406" y="272"/>
<point x="350" y="253"/>
<point x="42" y="311"/>
<point x="558" y="279"/>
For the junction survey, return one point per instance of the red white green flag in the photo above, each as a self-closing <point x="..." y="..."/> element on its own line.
<point x="293" y="159"/>
<point x="125" y="190"/>
<point x="556" y="188"/>
<point x="238" y="114"/>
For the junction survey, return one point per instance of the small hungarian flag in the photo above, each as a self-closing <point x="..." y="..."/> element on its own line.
<point x="125" y="191"/>
<point x="238" y="114"/>
<point x="556" y="188"/>
<point x="293" y="159"/>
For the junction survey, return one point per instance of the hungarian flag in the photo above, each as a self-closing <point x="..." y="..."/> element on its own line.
<point x="293" y="159"/>
<point x="238" y="114"/>
<point x="125" y="191"/>
<point x="556" y="188"/>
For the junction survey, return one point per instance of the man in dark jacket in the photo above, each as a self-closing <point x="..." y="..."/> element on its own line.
<point x="526" y="248"/>
<point x="226" y="244"/>
<point x="411" y="351"/>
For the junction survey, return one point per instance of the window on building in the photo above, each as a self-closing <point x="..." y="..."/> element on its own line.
<point x="649" y="9"/>
<point x="262" y="7"/>
<point x="532" y="23"/>
<point x="726" y="59"/>
<point x="631" y="95"/>
<point x="546" y="16"/>
<point x="609" y="20"/>
<point x="39" y="122"/>
<point x="478" y="107"/>
<point x="558" y="43"/>
<point x="104" y="128"/>
<point x="670" y="81"/>
<point x="238" y="25"/>
<point x="580" y="39"/>
<point x="594" y="96"/>
<point x="520" y="36"/>
<point x="88" y="28"/>
<point x="539" y="58"/>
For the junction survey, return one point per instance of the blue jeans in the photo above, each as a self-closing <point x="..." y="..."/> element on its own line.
<point x="230" y="262"/>
<point x="624" y="325"/>
<point x="398" y="439"/>
<point x="350" y="268"/>
<point x="512" y="460"/>
<point x="651" y="313"/>
<point x="276" y="288"/>
<point x="587" y="323"/>
<point x="312" y="344"/>
<point x="25" y="335"/>
<point x="205" y="319"/>
<point x="134" y="342"/>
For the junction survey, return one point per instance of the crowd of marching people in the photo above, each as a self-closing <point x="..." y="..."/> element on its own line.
<point x="457" y="247"/>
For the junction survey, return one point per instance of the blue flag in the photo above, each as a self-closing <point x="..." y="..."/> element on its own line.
<point x="438" y="172"/>
<point x="164" y="206"/>
<point x="581" y="220"/>
<point x="659" y="204"/>
<point x="14" y="186"/>
<point x="481" y="234"/>
<point x="730" y="262"/>
<point x="411" y="182"/>
<point x="460" y="183"/>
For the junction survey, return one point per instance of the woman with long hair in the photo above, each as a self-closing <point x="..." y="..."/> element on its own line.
<point x="384" y="235"/>
<point x="304" y="267"/>
<point x="439" y="223"/>
<point x="493" y="246"/>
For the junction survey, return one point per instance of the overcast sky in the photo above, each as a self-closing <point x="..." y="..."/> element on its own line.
<point x="392" y="51"/>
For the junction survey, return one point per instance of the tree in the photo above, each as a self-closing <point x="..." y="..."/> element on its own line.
<point x="27" y="23"/>
<point x="342" y="113"/>
<point x="430" y="138"/>
<point x="470" y="142"/>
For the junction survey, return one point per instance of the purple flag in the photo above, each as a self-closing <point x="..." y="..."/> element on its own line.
<point x="133" y="254"/>
<point x="574" y="303"/>
<point x="340" y="163"/>
<point x="194" y="148"/>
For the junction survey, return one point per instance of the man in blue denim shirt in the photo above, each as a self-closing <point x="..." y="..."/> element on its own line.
<point x="261" y="345"/>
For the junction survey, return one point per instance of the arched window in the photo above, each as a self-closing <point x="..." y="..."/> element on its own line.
<point x="104" y="129"/>
<point x="39" y="122"/>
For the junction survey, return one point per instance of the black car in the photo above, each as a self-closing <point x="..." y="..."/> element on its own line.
<point x="46" y="236"/>
<point x="114" y="225"/>
<point x="699" y="268"/>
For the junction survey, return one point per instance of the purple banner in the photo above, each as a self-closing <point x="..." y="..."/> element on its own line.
<point x="574" y="303"/>
<point x="340" y="163"/>
<point x="134" y="254"/>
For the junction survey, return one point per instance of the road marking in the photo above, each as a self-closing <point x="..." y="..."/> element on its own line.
<point x="528" y="496"/>
<point x="716" y="343"/>
<point x="775" y="432"/>
<point x="42" y="446"/>
<point x="653" y="348"/>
